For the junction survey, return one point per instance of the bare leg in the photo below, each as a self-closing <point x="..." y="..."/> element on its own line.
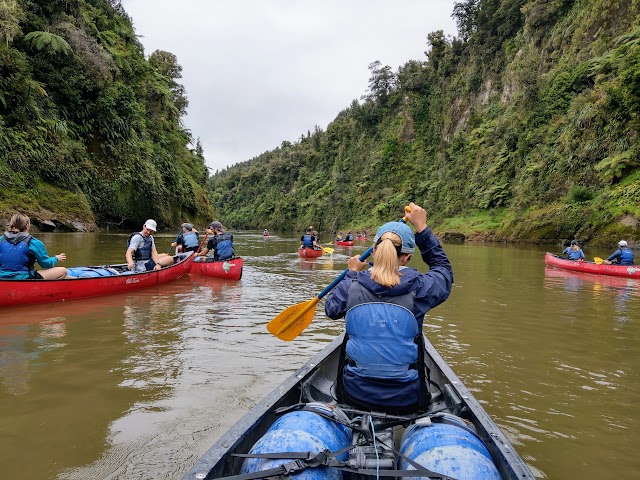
<point x="54" y="273"/>
<point x="165" y="260"/>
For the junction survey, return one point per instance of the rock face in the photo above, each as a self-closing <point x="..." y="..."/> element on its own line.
<point x="454" y="237"/>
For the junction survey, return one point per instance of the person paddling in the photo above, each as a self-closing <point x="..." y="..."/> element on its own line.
<point x="382" y="367"/>
<point x="623" y="255"/>
<point x="189" y="239"/>
<point x="19" y="251"/>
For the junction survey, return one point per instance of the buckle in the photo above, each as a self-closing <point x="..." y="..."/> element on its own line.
<point x="292" y="467"/>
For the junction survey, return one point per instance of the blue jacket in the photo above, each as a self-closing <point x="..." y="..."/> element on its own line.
<point x="623" y="254"/>
<point x="36" y="252"/>
<point x="373" y="377"/>
<point x="573" y="255"/>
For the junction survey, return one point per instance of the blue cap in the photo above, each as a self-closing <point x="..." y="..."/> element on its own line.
<point x="403" y="231"/>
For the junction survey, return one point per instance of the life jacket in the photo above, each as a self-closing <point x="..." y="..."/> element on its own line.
<point x="144" y="252"/>
<point x="573" y="255"/>
<point x="16" y="257"/>
<point x="224" y="247"/>
<point x="626" y="256"/>
<point x="383" y="363"/>
<point x="190" y="241"/>
<point x="307" y="240"/>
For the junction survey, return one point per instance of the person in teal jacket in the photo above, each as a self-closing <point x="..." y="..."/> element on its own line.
<point x="19" y="251"/>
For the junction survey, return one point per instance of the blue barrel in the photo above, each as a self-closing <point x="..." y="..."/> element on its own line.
<point x="301" y="431"/>
<point x="449" y="450"/>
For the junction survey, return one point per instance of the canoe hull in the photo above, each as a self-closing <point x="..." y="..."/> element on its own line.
<point x="23" y="292"/>
<point x="350" y="243"/>
<point x="593" y="268"/>
<point x="309" y="253"/>
<point x="313" y="382"/>
<point x="228" y="269"/>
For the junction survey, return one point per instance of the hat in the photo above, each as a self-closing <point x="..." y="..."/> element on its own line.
<point x="403" y="231"/>
<point x="216" y="225"/>
<point x="151" y="225"/>
<point x="622" y="243"/>
<point x="188" y="226"/>
<point x="574" y="242"/>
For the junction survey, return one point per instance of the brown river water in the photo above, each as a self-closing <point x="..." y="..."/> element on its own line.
<point x="138" y="386"/>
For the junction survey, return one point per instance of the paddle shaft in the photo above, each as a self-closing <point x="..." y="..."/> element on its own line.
<point x="176" y="239"/>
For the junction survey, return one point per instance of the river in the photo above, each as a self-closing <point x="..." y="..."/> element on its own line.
<point x="138" y="386"/>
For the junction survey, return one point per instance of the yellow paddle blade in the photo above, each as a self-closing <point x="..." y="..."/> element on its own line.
<point x="328" y="250"/>
<point x="598" y="260"/>
<point x="292" y="321"/>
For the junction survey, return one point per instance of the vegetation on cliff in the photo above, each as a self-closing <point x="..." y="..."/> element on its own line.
<point x="524" y="127"/>
<point x="90" y="129"/>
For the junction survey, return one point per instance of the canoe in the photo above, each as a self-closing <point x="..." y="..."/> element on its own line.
<point x="307" y="252"/>
<point x="591" y="267"/>
<point x="229" y="269"/>
<point x="345" y="243"/>
<point x="477" y="444"/>
<point x="22" y="292"/>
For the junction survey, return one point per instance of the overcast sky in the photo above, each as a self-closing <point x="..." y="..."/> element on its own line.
<point x="258" y="72"/>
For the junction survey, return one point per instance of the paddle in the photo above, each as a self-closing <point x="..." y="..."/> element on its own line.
<point x="293" y="320"/>
<point x="327" y="249"/>
<point x="176" y="239"/>
<point x="598" y="260"/>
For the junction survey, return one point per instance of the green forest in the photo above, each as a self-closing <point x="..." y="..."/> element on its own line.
<point x="90" y="129"/>
<point x="522" y="127"/>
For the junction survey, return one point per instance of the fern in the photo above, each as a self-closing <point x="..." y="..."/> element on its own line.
<point x="38" y="40"/>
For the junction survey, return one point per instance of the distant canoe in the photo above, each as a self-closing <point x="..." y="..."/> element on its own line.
<point x="229" y="269"/>
<point x="592" y="267"/>
<point x="309" y="252"/>
<point x="345" y="243"/>
<point x="23" y="292"/>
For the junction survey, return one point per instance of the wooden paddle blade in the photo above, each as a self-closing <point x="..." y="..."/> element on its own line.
<point x="292" y="321"/>
<point x="328" y="250"/>
<point x="598" y="260"/>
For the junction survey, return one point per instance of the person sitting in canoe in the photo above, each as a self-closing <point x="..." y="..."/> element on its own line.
<point x="623" y="255"/>
<point x="266" y="232"/>
<point x="339" y="237"/>
<point x="382" y="367"/>
<point x="142" y="255"/>
<point x="574" y="252"/>
<point x="189" y="239"/>
<point x="219" y="246"/>
<point x="309" y="240"/>
<point x="349" y="237"/>
<point x="19" y="251"/>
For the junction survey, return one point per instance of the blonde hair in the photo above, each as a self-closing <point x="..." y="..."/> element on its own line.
<point x="386" y="267"/>
<point x="19" y="223"/>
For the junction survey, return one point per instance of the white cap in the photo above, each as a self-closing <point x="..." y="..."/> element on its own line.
<point x="151" y="225"/>
<point x="622" y="243"/>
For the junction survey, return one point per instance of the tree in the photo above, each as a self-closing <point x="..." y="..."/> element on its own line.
<point x="381" y="83"/>
<point x="166" y="64"/>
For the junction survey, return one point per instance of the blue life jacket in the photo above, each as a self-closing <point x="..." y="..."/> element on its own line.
<point x="383" y="365"/>
<point x="144" y="252"/>
<point x="190" y="241"/>
<point x="307" y="240"/>
<point x="224" y="247"/>
<point x="16" y="257"/>
<point x="626" y="256"/>
<point x="573" y="255"/>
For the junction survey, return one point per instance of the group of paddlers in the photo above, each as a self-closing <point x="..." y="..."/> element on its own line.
<point x="19" y="251"/>
<point x="622" y="256"/>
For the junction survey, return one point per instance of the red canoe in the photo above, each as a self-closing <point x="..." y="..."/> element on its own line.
<point x="345" y="243"/>
<point x="309" y="252"/>
<point x="229" y="269"/>
<point x="22" y="292"/>
<point x="591" y="267"/>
